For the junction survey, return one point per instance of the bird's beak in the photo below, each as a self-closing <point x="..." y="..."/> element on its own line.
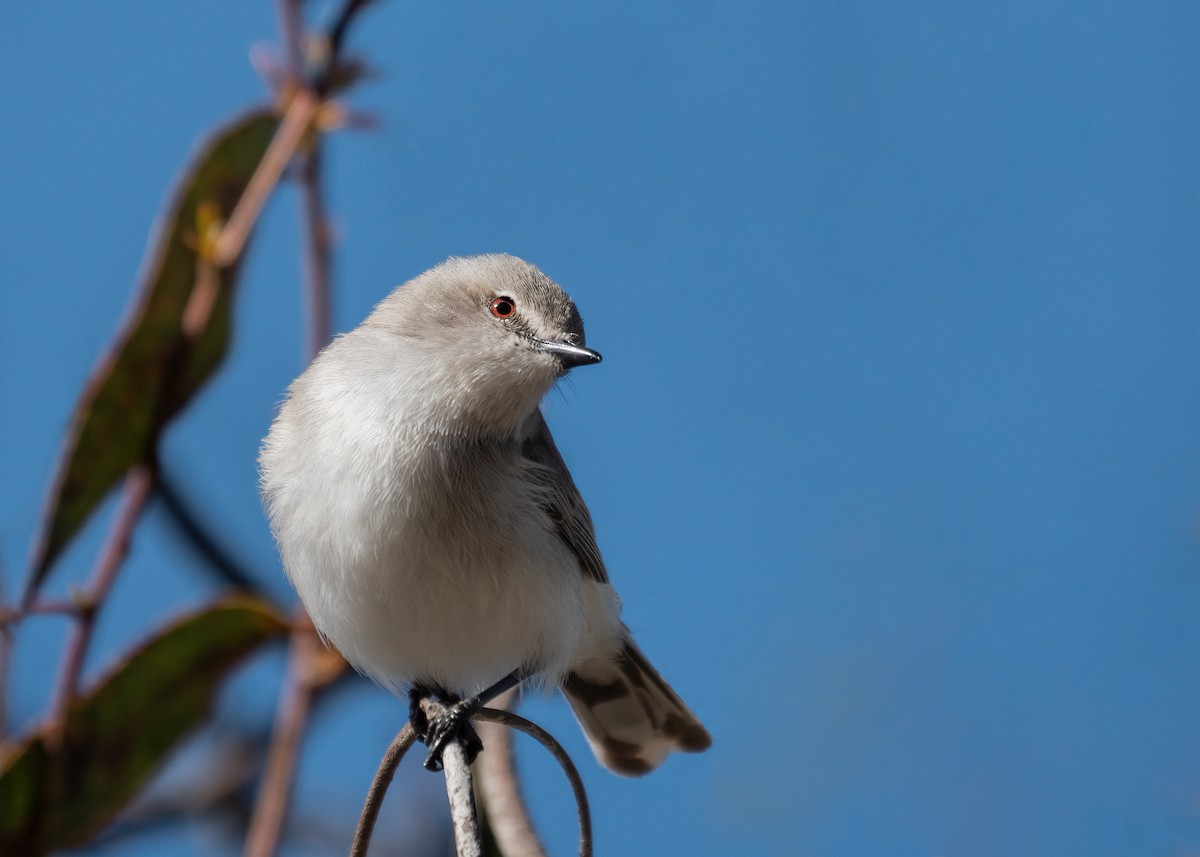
<point x="570" y="355"/>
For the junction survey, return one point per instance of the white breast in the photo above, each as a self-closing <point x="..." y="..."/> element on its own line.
<point x="413" y="551"/>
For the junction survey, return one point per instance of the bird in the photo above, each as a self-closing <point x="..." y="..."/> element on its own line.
<point x="431" y="528"/>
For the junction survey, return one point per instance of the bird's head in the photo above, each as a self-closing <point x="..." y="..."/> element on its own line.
<point x="494" y="331"/>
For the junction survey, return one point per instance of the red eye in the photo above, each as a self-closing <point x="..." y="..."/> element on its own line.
<point x="504" y="307"/>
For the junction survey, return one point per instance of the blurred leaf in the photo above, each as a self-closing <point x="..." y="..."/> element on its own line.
<point x="155" y="366"/>
<point x="120" y="732"/>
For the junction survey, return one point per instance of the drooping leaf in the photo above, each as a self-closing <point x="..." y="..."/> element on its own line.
<point x="155" y="365"/>
<point x="58" y="793"/>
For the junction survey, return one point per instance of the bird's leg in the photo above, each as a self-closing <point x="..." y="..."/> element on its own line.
<point x="454" y="722"/>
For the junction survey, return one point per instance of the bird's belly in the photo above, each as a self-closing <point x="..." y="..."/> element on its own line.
<point x="455" y="601"/>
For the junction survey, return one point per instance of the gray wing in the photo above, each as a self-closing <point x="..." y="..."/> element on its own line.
<point x="564" y="505"/>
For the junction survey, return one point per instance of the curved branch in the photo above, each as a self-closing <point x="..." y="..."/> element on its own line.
<point x="548" y="741"/>
<point x="379" y="786"/>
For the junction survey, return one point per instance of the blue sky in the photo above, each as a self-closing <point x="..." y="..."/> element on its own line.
<point x="893" y="454"/>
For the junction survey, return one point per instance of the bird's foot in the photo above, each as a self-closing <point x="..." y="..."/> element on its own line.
<point x="452" y="723"/>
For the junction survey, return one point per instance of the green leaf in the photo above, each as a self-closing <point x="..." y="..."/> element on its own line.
<point x="155" y="367"/>
<point x="57" y="795"/>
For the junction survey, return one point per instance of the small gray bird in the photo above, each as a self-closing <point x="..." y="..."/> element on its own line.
<point x="431" y="528"/>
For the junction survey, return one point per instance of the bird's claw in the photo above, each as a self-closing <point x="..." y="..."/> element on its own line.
<point x="452" y="721"/>
<point x="450" y="724"/>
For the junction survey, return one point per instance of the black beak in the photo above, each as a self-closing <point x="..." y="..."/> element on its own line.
<point x="570" y="355"/>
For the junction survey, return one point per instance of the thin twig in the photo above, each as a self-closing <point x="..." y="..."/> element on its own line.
<point x="379" y="786"/>
<point x="291" y="716"/>
<point x="556" y="750"/>
<point x="500" y="789"/>
<point x="10" y="616"/>
<point x="318" y="251"/>
<point x="296" y="123"/>
<point x="138" y="487"/>
<point x="291" y="29"/>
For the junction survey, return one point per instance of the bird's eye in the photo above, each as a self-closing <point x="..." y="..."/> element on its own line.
<point x="504" y="307"/>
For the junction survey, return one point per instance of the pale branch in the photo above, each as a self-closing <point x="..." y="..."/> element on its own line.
<point x="297" y="121"/>
<point x="461" y="792"/>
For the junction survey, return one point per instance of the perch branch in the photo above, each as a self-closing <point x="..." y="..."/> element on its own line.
<point x="458" y="783"/>
<point x="461" y="792"/>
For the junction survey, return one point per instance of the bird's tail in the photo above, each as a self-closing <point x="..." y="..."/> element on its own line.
<point x="630" y="715"/>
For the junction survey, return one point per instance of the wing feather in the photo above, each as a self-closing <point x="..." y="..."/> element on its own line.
<point x="564" y="504"/>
